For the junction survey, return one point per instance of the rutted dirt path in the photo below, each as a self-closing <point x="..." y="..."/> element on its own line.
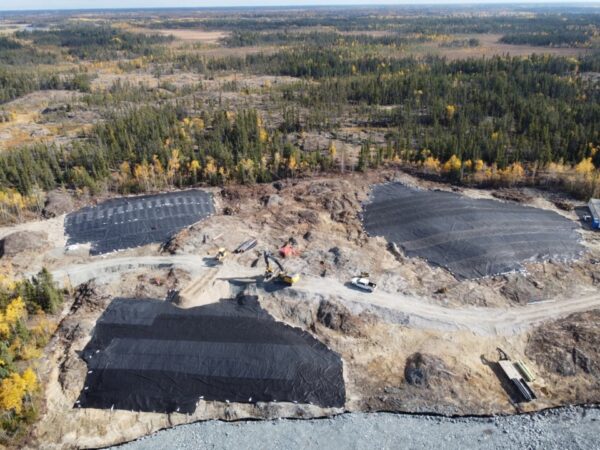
<point x="420" y="313"/>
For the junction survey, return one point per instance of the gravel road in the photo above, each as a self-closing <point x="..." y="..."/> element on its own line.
<point x="564" y="428"/>
<point x="420" y="312"/>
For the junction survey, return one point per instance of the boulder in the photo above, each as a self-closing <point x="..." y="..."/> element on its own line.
<point x="337" y="317"/>
<point x="272" y="200"/>
<point x="23" y="241"/>
<point x="520" y="289"/>
<point x="57" y="203"/>
<point x="423" y="370"/>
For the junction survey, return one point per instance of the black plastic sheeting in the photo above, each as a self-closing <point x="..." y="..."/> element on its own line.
<point x="472" y="238"/>
<point x="148" y="355"/>
<point x="129" y="222"/>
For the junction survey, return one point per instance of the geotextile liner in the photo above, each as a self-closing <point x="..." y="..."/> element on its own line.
<point x="129" y="222"/>
<point x="472" y="238"/>
<point x="148" y="355"/>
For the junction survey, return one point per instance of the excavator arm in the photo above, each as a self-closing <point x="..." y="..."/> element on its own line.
<point x="282" y="275"/>
<point x="269" y="257"/>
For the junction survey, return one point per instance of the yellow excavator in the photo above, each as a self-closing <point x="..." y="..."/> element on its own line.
<point x="221" y="254"/>
<point x="282" y="275"/>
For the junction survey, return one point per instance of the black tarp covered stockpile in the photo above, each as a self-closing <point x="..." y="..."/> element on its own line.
<point x="470" y="237"/>
<point x="129" y="222"/>
<point x="148" y="355"/>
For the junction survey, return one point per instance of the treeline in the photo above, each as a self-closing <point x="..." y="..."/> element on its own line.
<point x="14" y="53"/>
<point x="555" y="38"/>
<point x="500" y="110"/>
<point x="153" y="147"/>
<point x="15" y="83"/>
<point x="320" y="62"/>
<point x="319" y="38"/>
<point x="305" y="62"/>
<point x="402" y="19"/>
<point x="97" y="42"/>
<point x="461" y="43"/>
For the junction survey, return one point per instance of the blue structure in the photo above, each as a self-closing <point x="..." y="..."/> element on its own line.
<point x="594" y="206"/>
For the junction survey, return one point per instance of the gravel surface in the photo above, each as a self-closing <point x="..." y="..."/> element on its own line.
<point x="564" y="428"/>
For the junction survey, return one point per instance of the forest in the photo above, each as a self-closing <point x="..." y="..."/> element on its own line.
<point x="15" y="83"/>
<point x="96" y="41"/>
<point x="409" y="20"/>
<point x="497" y="119"/>
<point x="26" y="325"/>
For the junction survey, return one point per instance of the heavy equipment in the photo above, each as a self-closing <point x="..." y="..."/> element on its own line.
<point x="281" y="275"/>
<point x="246" y="245"/>
<point x="363" y="282"/>
<point x="221" y="254"/>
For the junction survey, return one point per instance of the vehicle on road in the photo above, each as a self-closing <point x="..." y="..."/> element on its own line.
<point x="363" y="282"/>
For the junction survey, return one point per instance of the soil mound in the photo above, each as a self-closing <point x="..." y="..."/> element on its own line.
<point x="23" y="241"/>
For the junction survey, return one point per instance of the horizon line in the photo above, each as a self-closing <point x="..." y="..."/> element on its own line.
<point x="542" y="4"/>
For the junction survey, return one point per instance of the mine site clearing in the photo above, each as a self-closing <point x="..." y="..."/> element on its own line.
<point x="310" y="298"/>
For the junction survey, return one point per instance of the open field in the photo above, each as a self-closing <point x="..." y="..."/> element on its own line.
<point x="205" y="37"/>
<point x="490" y="45"/>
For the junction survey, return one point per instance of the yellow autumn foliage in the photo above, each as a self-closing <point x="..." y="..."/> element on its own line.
<point x="198" y="123"/>
<point x="194" y="166"/>
<point x="292" y="163"/>
<point x="332" y="150"/>
<point x="556" y="168"/>
<point x="30" y="380"/>
<point x="263" y="136"/>
<point x="585" y="167"/>
<point x="4" y="326"/>
<point x="14" y="387"/>
<point x="210" y="167"/>
<point x="453" y="164"/>
<point x="15" y="311"/>
<point x="450" y="111"/>
<point x="431" y="164"/>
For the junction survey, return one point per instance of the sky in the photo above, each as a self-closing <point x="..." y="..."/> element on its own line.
<point x="8" y="5"/>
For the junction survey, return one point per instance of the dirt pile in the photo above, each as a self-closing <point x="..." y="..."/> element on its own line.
<point x="521" y="289"/>
<point x="23" y="241"/>
<point x="512" y="195"/>
<point x="425" y="370"/>
<point x="89" y="299"/>
<point x="569" y="346"/>
<point x="568" y="351"/>
<point x="340" y="200"/>
<point x="337" y="317"/>
<point x="57" y="203"/>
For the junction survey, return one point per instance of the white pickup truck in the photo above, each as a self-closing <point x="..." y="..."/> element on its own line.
<point x="363" y="283"/>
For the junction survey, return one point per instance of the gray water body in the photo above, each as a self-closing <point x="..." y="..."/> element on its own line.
<point x="563" y="428"/>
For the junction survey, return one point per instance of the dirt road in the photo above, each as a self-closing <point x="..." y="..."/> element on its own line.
<point x="418" y="312"/>
<point x="423" y="313"/>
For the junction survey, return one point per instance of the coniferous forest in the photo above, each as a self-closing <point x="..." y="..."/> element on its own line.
<point x="439" y="95"/>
